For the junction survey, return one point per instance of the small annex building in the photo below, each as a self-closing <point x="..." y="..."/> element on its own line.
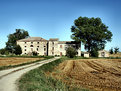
<point x="85" y="54"/>
<point x="103" y="53"/>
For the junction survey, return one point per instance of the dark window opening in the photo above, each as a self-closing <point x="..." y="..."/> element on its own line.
<point x="31" y="45"/>
<point x="25" y="49"/>
<point x="37" y="42"/>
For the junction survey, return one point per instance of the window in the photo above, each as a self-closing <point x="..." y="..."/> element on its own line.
<point x="25" y="42"/>
<point x="103" y="54"/>
<point x="31" y="42"/>
<point x="44" y="46"/>
<point x="37" y="49"/>
<point x="25" y="49"/>
<point x="37" y="46"/>
<point x="52" y="53"/>
<point x="60" y="46"/>
<point x="53" y="43"/>
<point x="31" y="45"/>
<point x="52" y="48"/>
<point x="24" y="53"/>
<point x="25" y="46"/>
<point x="37" y="42"/>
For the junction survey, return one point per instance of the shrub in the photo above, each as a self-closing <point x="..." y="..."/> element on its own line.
<point x="116" y="49"/>
<point x="3" y="51"/>
<point x="34" y="53"/>
<point x="71" y="52"/>
<point x="17" y="50"/>
<point x="111" y="51"/>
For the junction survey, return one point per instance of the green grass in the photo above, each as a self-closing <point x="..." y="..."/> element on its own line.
<point x="12" y="66"/>
<point x="36" y="80"/>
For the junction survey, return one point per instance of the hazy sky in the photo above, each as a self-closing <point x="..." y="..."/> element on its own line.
<point x="54" y="18"/>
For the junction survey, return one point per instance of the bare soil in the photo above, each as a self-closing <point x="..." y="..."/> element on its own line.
<point x="95" y="74"/>
<point x="16" y="60"/>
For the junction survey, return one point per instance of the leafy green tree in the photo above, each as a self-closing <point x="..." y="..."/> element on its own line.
<point x="71" y="52"/>
<point x="12" y="38"/>
<point x="17" y="50"/>
<point x="111" y="51"/>
<point x="94" y="53"/>
<point x="91" y="32"/>
<point x="2" y="51"/>
<point x="116" y="49"/>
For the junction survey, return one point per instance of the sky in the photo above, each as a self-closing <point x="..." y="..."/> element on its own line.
<point x="54" y="18"/>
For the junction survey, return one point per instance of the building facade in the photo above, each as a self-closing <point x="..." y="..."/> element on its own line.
<point x="49" y="47"/>
<point x="103" y="53"/>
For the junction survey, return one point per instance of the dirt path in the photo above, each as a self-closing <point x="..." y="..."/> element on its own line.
<point x="8" y="78"/>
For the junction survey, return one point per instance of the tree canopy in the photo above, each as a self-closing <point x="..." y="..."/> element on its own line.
<point x="91" y="32"/>
<point x="12" y="38"/>
<point x="71" y="52"/>
<point x="116" y="49"/>
<point x="111" y="51"/>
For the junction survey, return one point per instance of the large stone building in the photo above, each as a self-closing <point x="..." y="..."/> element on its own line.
<point x="49" y="47"/>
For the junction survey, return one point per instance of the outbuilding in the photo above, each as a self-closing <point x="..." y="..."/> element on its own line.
<point x="103" y="53"/>
<point x="85" y="54"/>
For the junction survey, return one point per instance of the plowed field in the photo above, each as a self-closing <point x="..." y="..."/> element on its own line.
<point x="16" y="60"/>
<point x="96" y="74"/>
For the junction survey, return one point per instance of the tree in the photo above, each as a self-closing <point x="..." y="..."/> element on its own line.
<point x="111" y="51"/>
<point x="17" y="50"/>
<point x="71" y="52"/>
<point x="94" y="53"/>
<point x="91" y="32"/>
<point x="12" y="38"/>
<point x="116" y="49"/>
<point x="2" y="51"/>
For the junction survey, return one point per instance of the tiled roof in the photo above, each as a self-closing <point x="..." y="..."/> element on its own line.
<point x="68" y="42"/>
<point x="53" y="39"/>
<point x="31" y="39"/>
